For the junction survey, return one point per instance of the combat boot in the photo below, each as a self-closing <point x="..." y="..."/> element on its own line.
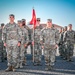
<point x="24" y="62"/>
<point x="18" y="65"/>
<point x="8" y="69"/>
<point x="50" y="67"/>
<point x="46" y="68"/>
<point x="21" y="66"/>
<point x="13" y="69"/>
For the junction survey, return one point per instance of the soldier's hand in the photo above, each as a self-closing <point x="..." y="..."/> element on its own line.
<point x="33" y="43"/>
<point x="25" y="45"/>
<point x="42" y="47"/>
<point x="19" y="43"/>
<point x="56" y="46"/>
<point x="5" y="44"/>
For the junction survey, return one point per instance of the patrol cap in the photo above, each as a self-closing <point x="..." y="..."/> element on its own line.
<point x="65" y="27"/>
<point x="70" y="25"/>
<point x="2" y="24"/>
<point x="19" y="21"/>
<point x="12" y="15"/>
<point x="23" y="20"/>
<point x="49" y="20"/>
<point x="38" y="19"/>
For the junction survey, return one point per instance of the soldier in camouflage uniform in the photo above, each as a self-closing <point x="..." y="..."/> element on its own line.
<point x="2" y="52"/>
<point x="11" y="41"/>
<point x="24" y="40"/>
<point x="18" y="22"/>
<point x="49" y="41"/>
<point x="19" y="48"/>
<point x="37" y="46"/>
<point x="60" y="41"/>
<point x="65" y="46"/>
<point x="62" y="45"/>
<point x="70" y="40"/>
<point x="29" y="35"/>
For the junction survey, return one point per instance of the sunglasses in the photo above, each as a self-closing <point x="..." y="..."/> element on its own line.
<point x="38" y="20"/>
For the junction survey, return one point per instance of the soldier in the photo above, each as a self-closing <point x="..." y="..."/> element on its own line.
<point x="60" y="41"/>
<point x="29" y="35"/>
<point x="24" y="40"/>
<point x="37" y="47"/>
<point x="18" y="22"/>
<point x="65" y="46"/>
<point x="49" y="41"/>
<point x="11" y="42"/>
<point x="2" y="56"/>
<point x="19" y="48"/>
<point x="70" y="40"/>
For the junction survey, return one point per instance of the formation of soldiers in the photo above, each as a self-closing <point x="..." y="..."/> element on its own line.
<point x="17" y="37"/>
<point x="66" y="42"/>
<point x="2" y="48"/>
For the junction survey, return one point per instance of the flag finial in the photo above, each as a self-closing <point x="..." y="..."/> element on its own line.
<point x="33" y="7"/>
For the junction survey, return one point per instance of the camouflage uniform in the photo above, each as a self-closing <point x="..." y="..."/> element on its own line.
<point x="11" y="38"/>
<point x="2" y="48"/>
<point x="69" y="40"/>
<point x="49" y="36"/>
<point x="60" y="43"/>
<point x="24" y="40"/>
<point x="37" y="47"/>
<point x="65" y="45"/>
<point x="29" y="35"/>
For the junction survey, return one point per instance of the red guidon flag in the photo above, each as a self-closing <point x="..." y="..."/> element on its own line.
<point x="33" y="20"/>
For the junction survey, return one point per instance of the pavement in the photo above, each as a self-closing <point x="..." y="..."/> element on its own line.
<point x="61" y="67"/>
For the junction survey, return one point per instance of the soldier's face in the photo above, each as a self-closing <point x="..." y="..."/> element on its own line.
<point x="60" y="30"/>
<point x="20" y="24"/>
<point x="2" y="27"/>
<point x="24" y="22"/>
<point x="38" y="22"/>
<point x="69" y="27"/>
<point x="11" y="18"/>
<point x="49" y="24"/>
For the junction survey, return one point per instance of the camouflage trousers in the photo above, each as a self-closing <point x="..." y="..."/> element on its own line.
<point x="21" y="54"/>
<point x="49" y="55"/>
<point x="12" y="52"/>
<point x="61" y="50"/>
<point x="70" y="48"/>
<point x="18" y="54"/>
<point x="1" y="51"/>
<point x="65" y="51"/>
<point x="37" y="53"/>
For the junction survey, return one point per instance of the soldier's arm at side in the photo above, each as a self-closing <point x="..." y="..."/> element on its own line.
<point x="26" y="42"/>
<point x="19" y="37"/>
<point x="42" y="39"/>
<point x="56" y="38"/>
<point x="4" y="35"/>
